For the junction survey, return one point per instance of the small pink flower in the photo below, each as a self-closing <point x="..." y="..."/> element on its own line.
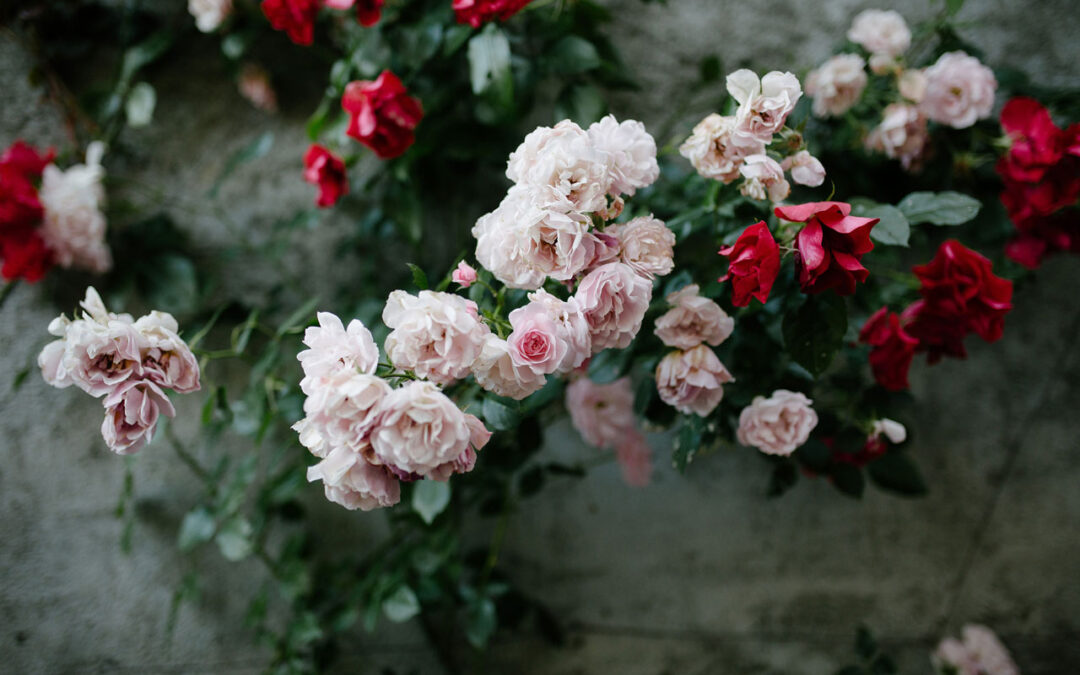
<point x="333" y="349"/>
<point x="980" y="653"/>
<point x="647" y="245"/>
<point x="437" y="335"/>
<point x="464" y="275"/>
<point x="635" y="459"/>
<point x="614" y="299"/>
<point x="777" y="425"/>
<point x="631" y="154"/>
<point x="693" y="381"/>
<point x="912" y="85"/>
<point x="764" y="179"/>
<point x="837" y="84"/>
<point x="693" y="320"/>
<point x="764" y="104"/>
<point x="902" y="134"/>
<point x="131" y="415"/>
<point x="602" y="413"/>
<point x="166" y="358"/>
<point x="355" y="483"/>
<point x="496" y="370"/>
<point x="549" y="335"/>
<point x="714" y="150"/>
<point x="881" y="32"/>
<point x="959" y="90"/>
<point x="805" y="169"/>
<point x="342" y="411"/>
<point x="254" y="85"/>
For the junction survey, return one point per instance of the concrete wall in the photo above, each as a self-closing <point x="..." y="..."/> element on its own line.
<point x="695" y="575"/>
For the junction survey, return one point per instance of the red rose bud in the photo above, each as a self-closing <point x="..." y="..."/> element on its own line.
<point x="830" y="246"/>
<point x="753" y="263"/>
<point x="892" y="349"/>
<point x="295" y="17"/>
<point x="323" y="168"/>
<point x="382" y="115"/>
<point x="477" y="12"/>
<point x="368" y="12"/>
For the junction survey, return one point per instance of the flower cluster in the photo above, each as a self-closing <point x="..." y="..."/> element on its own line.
<point x="960" y="295"/>
<point x="604" y="416"/>
<point x="129" y="362"/>
<point x="725" y="148"/>
<point x="370" y="435"/>
<point x="956" y="91"/>
<point x="1041" y="172"/>
<point x="980" y="652"/>
<point x="49" y="216"/>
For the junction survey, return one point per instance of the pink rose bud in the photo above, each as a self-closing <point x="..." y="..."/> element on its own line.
<point x="464" y="275"/>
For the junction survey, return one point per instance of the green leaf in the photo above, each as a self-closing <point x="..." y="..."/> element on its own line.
<point x="140" y="104"/>
<point x="688" y="442"/>
<point x="455" y="37"/>
<point x="897" y="473"/>
<point x="581" y="103"/>
<point x="953" y="6"/>
<point x="318" y="120"/>
<point x="249" y="153"/>
<point x="419" y="278"/>
<point x="480" y="622"/>
<point x="709" y="69"/>
<point x="815" y="332"/>
<point x="939" y="208"/>
<point x="241" y="335"/>
<point x="402" y="605"/>
<point x="848" y="479"/>
<point x="299" y="318"/>
<point x="489" y="60"/>
<point x="572" y="55"/>
<point x="893" y="230"/>
<point x="20" y="378"/>
<point x="197" y="528"/>
<point x="430" y="498"/>
<point x="500" y="414"/>
<point x="234" y="539"/>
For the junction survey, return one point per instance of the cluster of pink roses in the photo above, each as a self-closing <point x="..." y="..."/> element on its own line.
<point x="128" y="362"/>
<point x="50" y="216"/>
<point x="726" y="148"/>
<point x="371" y="436"/>
<point x="956" y="91"/>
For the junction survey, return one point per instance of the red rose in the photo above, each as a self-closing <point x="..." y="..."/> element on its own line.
<point x="829" y="246"/>
<point x="323" y="168"/>
<point x="25" y="255"/>
<point x="295" y="17"/>
<point x="892" y="349"/>
<point x="959" y="285"/>
<point x="382" y="115"/>
<point x="476" y="12"/>
<point x="1037" y="143"/>
<point x="938" y="334"/>
<point x="20" y="207"/>
<point x="368" y="12"/>
<point x="1040" y="236"/>
<point x="26" y="160"/>
<point x="753" y="263"/>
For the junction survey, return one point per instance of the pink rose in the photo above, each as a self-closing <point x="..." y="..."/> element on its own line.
<point x="779" y="424"/>
<point x="549" y="335"/>
<point x="912" y="85"/>
<point x="131" y="414"/>
<point x="606" y="248"/>
<point x="635" y="458"/>
<point x="436" y="335"/>
<point x="764" y="104"/>
<point x="647" y="245"/>
<point x="602" y="413"/>
<point x="630" y="152"/>
<point x="255" y="86"/>
<point x="351" y="481"/>
<point x="464" y="275"/>
<point x="881" y="32"/>
<point x="837" y="84"/>
<point x="959" y="90"/>
<point x="693" y="320"/>
<point x="421" y="433"/>
<point x="764" y="179"/>
<point x="562" y="164"/>
<point x="614" y="299"/>
<point x="496" y="370"/>
<point x="805" y="169"/>
<point x="74" y="224"/>
<point x="166" y="358"/>
<point x="692" y="381"/>
<point x="333" y="349"/>
<point x="980" y="653"/>
<point x="342" y="411"/>
<point x="715" y="152"/>
<point x="901" y="134"/>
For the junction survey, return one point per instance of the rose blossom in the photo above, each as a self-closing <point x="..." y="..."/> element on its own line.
<point x="497" y="371"/>
<point x="464" y="275"/>
<point x="436" y="335"/>
<point x="693" y="320"/>
<point x="421" y="433"/>
<point x="829" y="246"/>
<point x="563" y="167"/>
<point x="912" y="85"/>
<point x="522" y="243"/>
<point x="647" y="245"/>
<point x="606" y="248"/>
<point x="348" y="479"/>
<point x="883" y="64"/>
<point x="630" y="151"/>
<point x="333" y="349"/>
<point x="477" y="12"/>
<point x="382" y="115"/>
<point x="753" y="264"/>
<point x="342" y="411"/>
<point x="980" y="653"/>
<point x="764" y="179"/>
<point x="602" y="413"/>
<point x="74" y="226"/>
<point x="779" y="424"/>
<point x="326" y="170"/>
<point x="714" y="151"/>
<point x="837" y="84"/>
<point x="549" y="335"/>
<point x="1036" y="144"/>
<point x="692" y="381"/>
<point x="614" y="299"/>
<point x="166" y="358"/>
<point x="880" y="32"/>
<point x="254" y="85"/>
<point x="892" y="349"/>
<point x="959" y="90"/>
<point x="26" y="160"/>
<point x="209" y="14"/>
<point x="24" y="254"/>
<point x="901" y="134"/>
<point x="131" y="415"/>
<point x="295" y="17"/>
<point x="959" y="284"/>
<point x="635" y="458"/>
<point x="805" y="169"/>
<point x="891" y="429"/>
<point x="764" y="104"/>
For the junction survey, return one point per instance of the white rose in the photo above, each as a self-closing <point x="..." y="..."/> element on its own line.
<point x="881" y="32"/>
<point x="959" y="90"/>
<point x="630" y="151"/>
<point x="713" y="151"/>
<point x="74" y="226"/>
<point x="837" y="84"/>
<point x="351" y="481"/>
<point x="902" y="134"/>
<point x="764" y="104"/>
<point x="805" y="169"/>
<point x="333" y="348"/>
<point x="209" y="14"/>
<point x="647" y="245"/>
<point x="562" y="163"/>
<point x="764" y="179"/>
<point x="436" y="335"/>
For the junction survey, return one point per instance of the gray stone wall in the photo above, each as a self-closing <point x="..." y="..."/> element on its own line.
<point x="695" y="575"/>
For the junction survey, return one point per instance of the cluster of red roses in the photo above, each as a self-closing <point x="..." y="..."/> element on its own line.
<point x="828" y="251"/>
<point x="382" y="116"/>
<point x="22" y="249"/>
<point x="960" y="295"/>
<point x="1041" y="172"/>
<point x="297" y="17"/>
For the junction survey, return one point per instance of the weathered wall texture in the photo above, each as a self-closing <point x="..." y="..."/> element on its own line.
<point x="696" y="575"/>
